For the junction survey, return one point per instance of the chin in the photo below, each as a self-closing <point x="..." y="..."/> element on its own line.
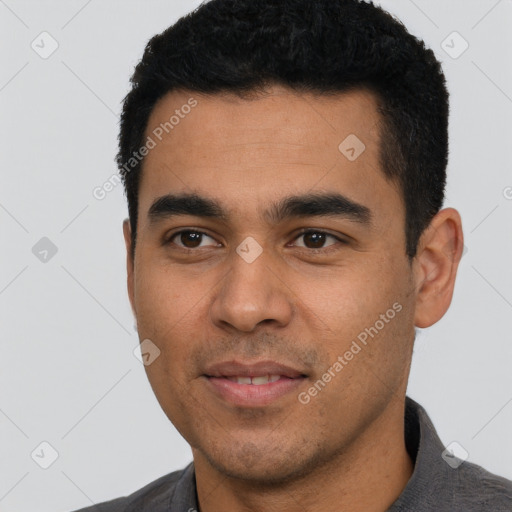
<point x="267" y="466"/>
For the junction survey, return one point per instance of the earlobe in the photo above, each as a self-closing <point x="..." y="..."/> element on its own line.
<point x="439" y="253"/>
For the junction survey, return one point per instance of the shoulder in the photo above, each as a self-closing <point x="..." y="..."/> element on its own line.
<point x="475" y="485"/>
<point x="154" y="496"/>
<point x="443" y="484"/>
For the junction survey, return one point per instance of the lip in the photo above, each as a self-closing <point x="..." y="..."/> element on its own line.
<point x="235" y="368"/>
<point x="251" y="395"/>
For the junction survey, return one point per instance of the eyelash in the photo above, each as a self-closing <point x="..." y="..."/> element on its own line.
<point x="302" y="232"/>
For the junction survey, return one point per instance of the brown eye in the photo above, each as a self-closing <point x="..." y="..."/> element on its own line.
<point x="189" y="239"/>
<point x="316" y="239"/>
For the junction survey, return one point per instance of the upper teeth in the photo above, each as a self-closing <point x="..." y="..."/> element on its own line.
<point x="263" y="379"/>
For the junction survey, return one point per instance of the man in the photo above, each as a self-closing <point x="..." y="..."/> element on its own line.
<point x="284" y="163"/>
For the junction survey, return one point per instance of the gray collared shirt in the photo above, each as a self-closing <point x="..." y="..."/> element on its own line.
<point x="439" y="481"/>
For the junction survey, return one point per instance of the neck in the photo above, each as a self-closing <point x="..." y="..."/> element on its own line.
<point x="368" y="476"/>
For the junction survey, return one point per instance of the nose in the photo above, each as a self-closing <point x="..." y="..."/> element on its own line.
<point x="252" y="293"/>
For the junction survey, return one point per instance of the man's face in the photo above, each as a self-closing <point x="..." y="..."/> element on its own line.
<point x="249" y="290"/>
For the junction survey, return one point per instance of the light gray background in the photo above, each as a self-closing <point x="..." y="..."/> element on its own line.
<point x="68" y="375"/>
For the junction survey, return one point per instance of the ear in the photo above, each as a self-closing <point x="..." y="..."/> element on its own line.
<point x="129" y="263"/>
<point x="436" y="262"/>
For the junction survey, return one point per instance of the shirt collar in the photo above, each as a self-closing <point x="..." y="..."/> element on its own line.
<point x="184" y="497"/>
<point x="431" y="474"/>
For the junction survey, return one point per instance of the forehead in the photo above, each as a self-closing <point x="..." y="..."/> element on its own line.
<point x="249" y="151"/>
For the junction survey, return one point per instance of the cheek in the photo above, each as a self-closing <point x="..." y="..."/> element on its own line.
<point x="350" y="300"/>
<point x="351" y="304"/>
<point x="165" y="316"/>
<point x="164" y="300"/>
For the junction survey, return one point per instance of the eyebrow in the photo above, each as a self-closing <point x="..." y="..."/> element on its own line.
<point x="299" y="206"/>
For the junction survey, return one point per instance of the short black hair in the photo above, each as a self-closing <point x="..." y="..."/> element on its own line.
<point x="319" y="46"/>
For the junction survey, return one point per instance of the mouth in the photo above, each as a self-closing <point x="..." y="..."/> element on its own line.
<point x="256" y="380"/>
<point x="252" y="385"/>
